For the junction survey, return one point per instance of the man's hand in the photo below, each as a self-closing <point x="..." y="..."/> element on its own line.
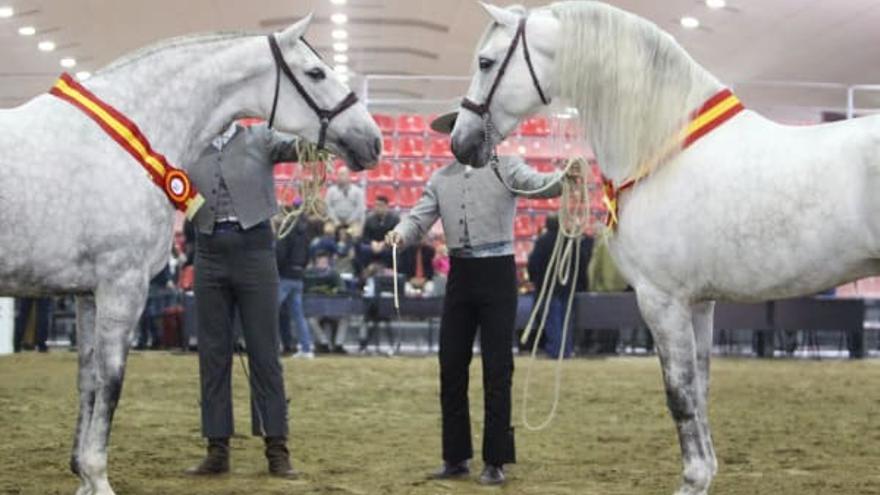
<point x="393" y="238"/>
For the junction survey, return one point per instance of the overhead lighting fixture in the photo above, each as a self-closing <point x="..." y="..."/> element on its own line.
<point x="83" y="75"/>
<point x="341" y="68"/>
<point x="6" y="12"/>
<point x="46" y="46"/>
<point x="340" y="47"/>
<point x="689" y="22"/>
<point x="716" y="4"/>
<point x="339" y="18"/>
<point x="338" y="2"/>
<point x="68" y="62"/>
<point x="27" y="30"/>
<point x="340" y="58"/>
<point x="340" y="34"/>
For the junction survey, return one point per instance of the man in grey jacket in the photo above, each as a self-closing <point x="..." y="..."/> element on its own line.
<point x="477" y="211"/>
<point x="235" y="269"/>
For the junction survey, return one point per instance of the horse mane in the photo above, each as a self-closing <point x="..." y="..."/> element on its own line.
<point x="172" y="43"/>
<point x="633" y="85"/>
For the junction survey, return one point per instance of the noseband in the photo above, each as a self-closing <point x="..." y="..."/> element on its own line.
<point x="325" y="116"/>
<point x="483" y="110"/>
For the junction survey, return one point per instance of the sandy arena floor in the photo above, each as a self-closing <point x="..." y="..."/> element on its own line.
<point x="371" y="426"/>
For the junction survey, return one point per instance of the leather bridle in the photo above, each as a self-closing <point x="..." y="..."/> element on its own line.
<point x="324" y="115"/>
<point x="483" y="109"/>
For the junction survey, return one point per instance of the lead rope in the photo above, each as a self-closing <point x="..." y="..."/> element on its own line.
<point x="394" y="273"/>
<point x="315" y="165"/>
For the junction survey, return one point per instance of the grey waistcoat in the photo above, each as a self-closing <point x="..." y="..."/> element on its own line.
<point x="474" y="206"/>
<point x="246" y="164"/>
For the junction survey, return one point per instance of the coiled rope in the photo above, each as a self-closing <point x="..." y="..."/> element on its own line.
<point x="316" y="165"/>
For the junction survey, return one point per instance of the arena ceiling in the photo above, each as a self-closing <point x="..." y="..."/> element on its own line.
<point x="750" y="40"/>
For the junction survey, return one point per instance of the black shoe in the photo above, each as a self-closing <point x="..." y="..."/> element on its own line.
<point x="279" y="458"/>
<point x="492" y="475"/>
<point x="217" y="460"/>
<point x="451" y="471"/>
<point x="338" y="349"/>
<point x="322" y="349"/>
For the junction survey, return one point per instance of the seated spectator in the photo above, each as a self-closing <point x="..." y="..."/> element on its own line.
<point x="537" y="266"/>
<point x="159" y="298"/>
<point x="416" y="264"/>
<point x="379" y="284"/>
<point x="373" y="247"/>
<point x="325" y="242"/>
<point x="345" y="201"/>
<point x="322" y="278"/>
<point x="41" y="325"/>
<point x="292" y="255"/>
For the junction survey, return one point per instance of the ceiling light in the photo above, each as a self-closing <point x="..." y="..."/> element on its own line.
<point x="340" y="58"/>
<point x="68" y="62"/>
<point x="83" y="75"/>
<point x="340" y="47"/>
<point x="716" y="4"/>
<point x="340" y="34"/>
<point x="27" y="30"/>
<point x="46" y="46"/>
<point x="341" y="68"/>
<point x="6" y="12"/>
<point x="338" y="2"/>
<point x="339" y="18"/>
<point x="689" y="22"/>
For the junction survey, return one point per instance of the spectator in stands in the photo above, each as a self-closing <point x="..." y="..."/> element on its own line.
<point x="326" y="242"/>
<point x="43" y="310"/>
<point x="604" y="276"/>
<point x="416" y="263"/>
<point x="373" y="247"/>
<point x="292" y="255"/>
<point x="477" y="210"/>
<point x="235" y="268"/>
<point x="160" y="297"/>
<point x="345" y="201"/>
<point x="322" y="278"/>
<point x="537" y="266"/>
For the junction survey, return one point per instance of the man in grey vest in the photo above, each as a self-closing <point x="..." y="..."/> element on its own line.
<point x="477" y="211"/>
<point x="235" y="269"/>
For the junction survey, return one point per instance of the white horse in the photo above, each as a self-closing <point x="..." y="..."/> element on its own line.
<point x="753" y="210"/>
<point x="79" y="215"/>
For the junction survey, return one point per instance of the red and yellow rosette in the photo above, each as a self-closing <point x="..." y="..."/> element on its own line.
<point x="173" y="181"/>
<point x="717" y="110"/>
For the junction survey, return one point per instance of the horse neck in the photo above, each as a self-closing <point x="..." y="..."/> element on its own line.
<point x="634" y="86"/>
<point x="183" y="96"/>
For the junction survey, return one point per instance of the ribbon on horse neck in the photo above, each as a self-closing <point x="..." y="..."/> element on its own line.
<point x="325" y="116"/>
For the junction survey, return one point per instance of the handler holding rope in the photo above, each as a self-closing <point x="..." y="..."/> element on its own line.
<point x="477" y="210"/>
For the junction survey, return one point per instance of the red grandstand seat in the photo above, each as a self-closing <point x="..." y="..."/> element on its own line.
<point x="522" y="248"/>
<point x="545" y="203"/>
<point x="385" y="123"/>
<point x="441" y="147"/>
<point x="539" y="221"/>
<point x="538" y="149"/>
<point x="523" y="226"/>
<point x="535" y="126"/>
<point x="543" y="166"/>
<point x="285" y="171"/>
<point x="507" y="148"/>
<point x="413" y="171"/>
<point x="409" y="195"/>
<point x="411" y="124"/>
<point x="383" y="172"/>
<point x="389" y="147"/>
<point x="376" y="190"/>
<point x="411" y="147"/>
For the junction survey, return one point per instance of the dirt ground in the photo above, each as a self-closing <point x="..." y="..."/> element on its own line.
<point x="371" y="426"/>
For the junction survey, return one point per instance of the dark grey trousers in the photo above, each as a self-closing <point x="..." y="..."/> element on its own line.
<point x="237" y="269"/>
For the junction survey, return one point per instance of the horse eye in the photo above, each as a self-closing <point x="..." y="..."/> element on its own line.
<point x="317" y="74"/>
<point x="486" y="63"/>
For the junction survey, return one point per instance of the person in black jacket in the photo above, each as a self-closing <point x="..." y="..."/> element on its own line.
<point x="537" y="266"/>
<point x="292" y="255"/>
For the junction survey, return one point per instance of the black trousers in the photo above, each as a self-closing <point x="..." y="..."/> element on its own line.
<point x="481" y="292"/>
<point x="237" y="269"/>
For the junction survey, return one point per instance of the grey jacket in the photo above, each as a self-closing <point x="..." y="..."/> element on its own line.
<point x="246" y="164"/>
<point x="473" y="201"/>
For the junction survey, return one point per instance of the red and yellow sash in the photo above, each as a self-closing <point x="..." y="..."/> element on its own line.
<point x="716" y="111"/>
<point x="173" y="181"/>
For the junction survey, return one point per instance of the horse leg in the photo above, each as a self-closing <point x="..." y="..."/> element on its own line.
<point x="671" y="322"/>
<point x="85" y="330"/>
<point x="119" y="304"/>
<point x="704" y="323"/>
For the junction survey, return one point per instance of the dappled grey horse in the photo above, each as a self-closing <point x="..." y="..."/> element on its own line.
<point x="78" y="215"/>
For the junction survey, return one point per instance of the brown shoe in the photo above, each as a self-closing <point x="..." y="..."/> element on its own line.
<point x="279" y="458"/>
<point x="216" y="462"/>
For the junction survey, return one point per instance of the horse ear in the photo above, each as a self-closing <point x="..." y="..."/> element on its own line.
<point x="501" y="15"/>
<point x="296" y="31"/>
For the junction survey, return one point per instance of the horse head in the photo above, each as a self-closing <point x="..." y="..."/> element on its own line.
<point x="514" y="77"/>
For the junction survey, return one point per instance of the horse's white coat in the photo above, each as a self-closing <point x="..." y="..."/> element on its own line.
<point x="79" y="215"/>
<point x="752" y="211"/>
